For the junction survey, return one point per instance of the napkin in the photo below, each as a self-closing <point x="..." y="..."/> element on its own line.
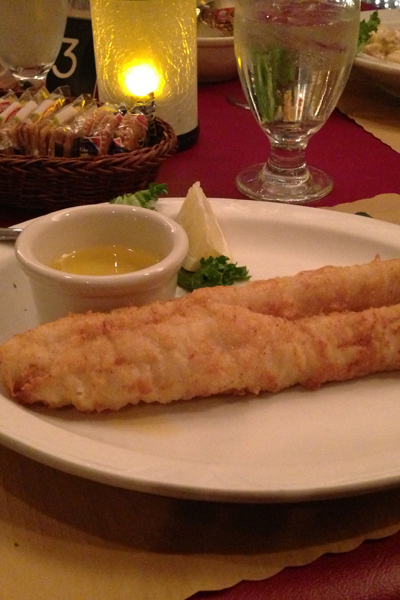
<point x="372" y="108"/>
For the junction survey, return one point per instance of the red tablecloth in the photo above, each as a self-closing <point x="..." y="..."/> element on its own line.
<point x="230" y="140"/>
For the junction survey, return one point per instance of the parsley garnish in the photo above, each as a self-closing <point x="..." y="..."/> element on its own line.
<point x="213" y="271"/>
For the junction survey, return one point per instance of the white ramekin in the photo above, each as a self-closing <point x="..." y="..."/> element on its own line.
<point x="57" y="293"/>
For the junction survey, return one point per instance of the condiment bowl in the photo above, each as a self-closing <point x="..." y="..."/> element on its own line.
<point x="216" y="59"/>
<point x="57" y="293"/>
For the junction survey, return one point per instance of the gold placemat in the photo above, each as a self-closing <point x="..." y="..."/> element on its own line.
<point x="385" y="207"/>
<point x="64" y="538"/>
<point x="67" y="538"/>
<point x="373" y="109"/>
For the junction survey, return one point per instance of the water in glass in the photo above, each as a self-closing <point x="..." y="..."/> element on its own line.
<point x="294" y="58"/>
<point x="31" y="34"/>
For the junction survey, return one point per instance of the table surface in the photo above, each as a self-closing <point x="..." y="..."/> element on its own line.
<point x="361" y="167"/>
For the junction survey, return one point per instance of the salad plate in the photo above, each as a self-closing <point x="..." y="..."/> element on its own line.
<point x="292" y="446"/>
<point x="384" y="73"/>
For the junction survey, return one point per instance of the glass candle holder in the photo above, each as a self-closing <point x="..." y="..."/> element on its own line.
<point x="149" y="46"/>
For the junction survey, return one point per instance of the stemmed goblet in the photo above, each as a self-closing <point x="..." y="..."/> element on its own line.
<point x="294" y="58"/>
<point x="31" y="34"/>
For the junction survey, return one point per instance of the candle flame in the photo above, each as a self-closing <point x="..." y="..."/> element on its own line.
<point x="141" y="80"/>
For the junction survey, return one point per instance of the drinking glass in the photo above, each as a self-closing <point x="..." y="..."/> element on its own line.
<point x="31" y="34"/>
<point x="294" y="58"/>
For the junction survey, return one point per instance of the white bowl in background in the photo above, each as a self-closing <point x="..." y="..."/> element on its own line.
<point x="383" y="73"/>
<point x="57" y="293"/>
<point x="216" y="59"/>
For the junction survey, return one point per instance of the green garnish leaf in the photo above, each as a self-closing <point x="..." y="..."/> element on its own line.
<point x="366" y="28"/>
<point x="213" y="271"/>
<point x="363" y="214"/>
<point x="143" y="198"/>
<point x="274" y="71"/>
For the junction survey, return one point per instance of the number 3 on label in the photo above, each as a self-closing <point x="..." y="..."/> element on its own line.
<point x="72" y="43"/>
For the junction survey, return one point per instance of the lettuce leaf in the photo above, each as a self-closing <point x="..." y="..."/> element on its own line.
<point x="366" y="28"/>
<point x="143" y="198"/>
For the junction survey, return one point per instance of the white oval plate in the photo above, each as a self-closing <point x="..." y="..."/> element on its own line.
<point x="296" y="445"/>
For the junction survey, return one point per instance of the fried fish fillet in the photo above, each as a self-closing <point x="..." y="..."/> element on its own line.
<point x="106" y="361"/>
<point x="324" y="290"/>
<point x="262" y="336"/>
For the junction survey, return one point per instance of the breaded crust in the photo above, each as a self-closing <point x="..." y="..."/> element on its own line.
<point x="98" y="361"/>
<point x="331" y="324"/>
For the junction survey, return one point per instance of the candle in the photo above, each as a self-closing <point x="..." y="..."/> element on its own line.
<point x="144" y="46"/>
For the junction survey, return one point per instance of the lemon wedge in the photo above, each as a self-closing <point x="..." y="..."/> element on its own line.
<point x="204" y="232"/>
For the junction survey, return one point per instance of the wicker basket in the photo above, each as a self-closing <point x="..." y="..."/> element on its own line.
<point x="47" y="184"/>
